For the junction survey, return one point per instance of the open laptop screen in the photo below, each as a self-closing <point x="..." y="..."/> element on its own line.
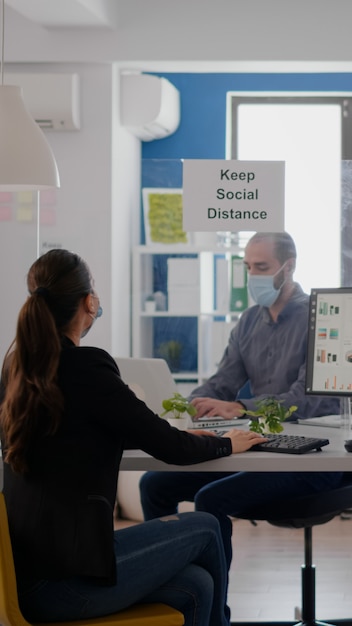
<point x="150" y="379"/>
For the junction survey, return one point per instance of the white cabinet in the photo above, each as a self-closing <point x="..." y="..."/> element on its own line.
<point x="194" y="293"/>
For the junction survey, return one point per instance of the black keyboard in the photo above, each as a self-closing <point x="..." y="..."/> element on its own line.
<point x="291" y="444"/>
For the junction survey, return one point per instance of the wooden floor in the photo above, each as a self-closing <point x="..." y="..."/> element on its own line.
<point x="265" y="576"/>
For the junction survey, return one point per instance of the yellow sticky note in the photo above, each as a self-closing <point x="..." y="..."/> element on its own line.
<point x="25" y="197"/>
<point x="24" y="213"/>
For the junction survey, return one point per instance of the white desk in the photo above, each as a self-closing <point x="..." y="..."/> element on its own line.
<point x="332" y="458"/>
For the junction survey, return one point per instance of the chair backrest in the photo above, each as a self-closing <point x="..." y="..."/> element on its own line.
<point x="10" y="614"/>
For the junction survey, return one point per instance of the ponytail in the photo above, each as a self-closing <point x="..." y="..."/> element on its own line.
<point x="33" y="401"/>
<point x="32" y="395"/>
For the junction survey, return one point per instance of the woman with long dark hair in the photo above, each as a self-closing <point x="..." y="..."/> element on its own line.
<point x="66" y="417"/>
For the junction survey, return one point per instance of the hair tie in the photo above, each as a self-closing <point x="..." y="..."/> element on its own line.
<point x="42" y="291"/>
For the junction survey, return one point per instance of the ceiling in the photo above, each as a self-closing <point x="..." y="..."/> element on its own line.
<point x="68" y="13"/>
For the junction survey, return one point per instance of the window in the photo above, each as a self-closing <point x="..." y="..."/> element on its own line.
<point x="312" y="134"/>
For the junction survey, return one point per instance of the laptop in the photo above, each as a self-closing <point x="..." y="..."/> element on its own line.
<point x="219" y="424"/>
<point x="150" y="379"/>
<point x="152" y="382"/>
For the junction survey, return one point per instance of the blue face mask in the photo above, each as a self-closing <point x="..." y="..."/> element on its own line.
<point x="99" y="313"/>
<point x="261" y="288"/>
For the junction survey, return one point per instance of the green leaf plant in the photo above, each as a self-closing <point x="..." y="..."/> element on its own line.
<point x="178" y="405"/>
<point x="269" y="416"/>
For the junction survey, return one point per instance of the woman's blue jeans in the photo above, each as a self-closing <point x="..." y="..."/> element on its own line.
<point x="227" y="494"/>
<point x="177" y="560"/>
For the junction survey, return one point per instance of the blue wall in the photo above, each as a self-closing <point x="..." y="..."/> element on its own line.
<point x="201" y="134"/>
<point x="202" y="130"/>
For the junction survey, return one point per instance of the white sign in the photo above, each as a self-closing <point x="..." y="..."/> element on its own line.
<point x="233" y="195"/>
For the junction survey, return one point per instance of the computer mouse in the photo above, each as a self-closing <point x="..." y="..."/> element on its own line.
<point x="348" y="445"/>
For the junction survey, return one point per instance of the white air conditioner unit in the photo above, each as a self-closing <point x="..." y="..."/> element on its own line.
<point x="52" y="99"/>
<point x="150" y="106"/>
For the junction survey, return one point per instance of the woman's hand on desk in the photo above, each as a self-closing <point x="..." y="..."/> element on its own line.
<point x="211" y="407"/>
<point x="243" y="440"/>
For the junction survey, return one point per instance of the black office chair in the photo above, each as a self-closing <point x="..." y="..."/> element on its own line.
<point x="306" y="512"/>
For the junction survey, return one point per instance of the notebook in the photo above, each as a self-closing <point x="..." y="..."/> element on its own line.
<point x="150" y="379"/>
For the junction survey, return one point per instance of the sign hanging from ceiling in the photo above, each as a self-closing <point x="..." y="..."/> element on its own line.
<point x="233" y="195"/>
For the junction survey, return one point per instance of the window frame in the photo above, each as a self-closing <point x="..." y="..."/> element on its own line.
<point x="344" y="100"/>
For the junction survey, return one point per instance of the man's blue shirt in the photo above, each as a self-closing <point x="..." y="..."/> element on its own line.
<point x="271" y="356"/>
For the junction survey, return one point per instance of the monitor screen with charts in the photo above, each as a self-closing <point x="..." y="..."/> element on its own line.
<point x="329" y="355"/>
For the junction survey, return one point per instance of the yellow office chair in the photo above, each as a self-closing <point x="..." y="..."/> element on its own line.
<point x="10" y="613"/>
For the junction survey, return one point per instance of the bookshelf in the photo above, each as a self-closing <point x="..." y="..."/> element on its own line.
<point x="199" y="294"/>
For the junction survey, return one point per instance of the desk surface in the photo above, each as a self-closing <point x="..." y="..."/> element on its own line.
<point x="332" y="458"/>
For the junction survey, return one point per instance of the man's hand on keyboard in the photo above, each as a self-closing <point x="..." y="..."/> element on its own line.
<point x="210" y="407"/>
<point x="243" y="440"/>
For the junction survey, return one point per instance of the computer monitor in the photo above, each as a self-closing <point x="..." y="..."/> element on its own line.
<point x="329" y="354"/>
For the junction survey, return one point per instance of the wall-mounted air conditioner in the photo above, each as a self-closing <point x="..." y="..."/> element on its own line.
<point x="52" y="99"/>
<point x="150" y="106"/>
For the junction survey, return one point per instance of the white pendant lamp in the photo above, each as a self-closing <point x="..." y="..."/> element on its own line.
<point x="26" y="159"/>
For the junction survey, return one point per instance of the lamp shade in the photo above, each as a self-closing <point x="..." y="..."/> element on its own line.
<point x="26" y="158"/>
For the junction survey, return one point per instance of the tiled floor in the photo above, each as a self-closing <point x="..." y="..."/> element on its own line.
<point x="265" y="577"/>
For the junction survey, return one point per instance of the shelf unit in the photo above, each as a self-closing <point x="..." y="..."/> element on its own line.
<point x="191" y="314"/>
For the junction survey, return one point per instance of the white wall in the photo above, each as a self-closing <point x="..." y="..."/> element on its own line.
<point x="125" y="225"/>
<point x="209" y="30"/>
<point x="83" y="206"/>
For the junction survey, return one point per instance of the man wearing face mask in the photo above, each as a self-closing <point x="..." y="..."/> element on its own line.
<point x="267" y="348"/>
<point x="266" y="353"/>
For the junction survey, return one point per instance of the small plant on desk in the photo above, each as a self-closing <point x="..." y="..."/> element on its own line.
<point x="178" y="405"/>
<point x="269" y="416"/>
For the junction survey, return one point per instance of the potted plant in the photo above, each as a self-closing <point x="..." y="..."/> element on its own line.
<point x="171" y="352"/>
<point x="150" y="304"/>
<point x="269" y="416"/>
<point x="179" y="407"/>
